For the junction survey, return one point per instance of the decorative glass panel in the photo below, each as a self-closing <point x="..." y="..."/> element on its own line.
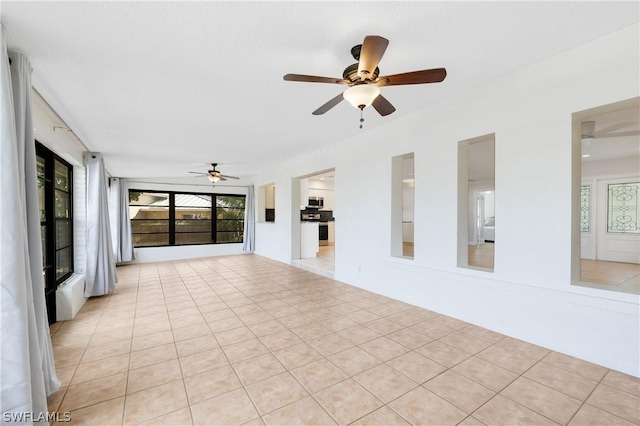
<point x="585" y="207"/>
<point x="622" y="209"/>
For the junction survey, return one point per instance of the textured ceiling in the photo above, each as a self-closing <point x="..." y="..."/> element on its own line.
<point x="161" y="88"/>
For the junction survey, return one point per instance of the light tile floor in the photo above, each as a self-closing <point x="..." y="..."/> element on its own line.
<point x="246" y="340"/>
<point x="323" y="264"/>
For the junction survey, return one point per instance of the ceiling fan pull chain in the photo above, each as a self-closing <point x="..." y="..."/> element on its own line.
<point x="361" y="118"/>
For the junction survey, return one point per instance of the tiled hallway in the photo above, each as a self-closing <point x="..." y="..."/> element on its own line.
<point x="246" y="340"/>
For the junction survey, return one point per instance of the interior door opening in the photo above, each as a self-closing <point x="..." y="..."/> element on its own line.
<point x="317" y="222"/>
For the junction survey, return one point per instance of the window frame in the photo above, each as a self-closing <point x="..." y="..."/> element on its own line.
<point x="50" y="220"/>
<point x="50" y="249"/>
<point x="172" y="228"/>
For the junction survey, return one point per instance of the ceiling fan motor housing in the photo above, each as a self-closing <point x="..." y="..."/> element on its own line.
<point x="351" y="73"/>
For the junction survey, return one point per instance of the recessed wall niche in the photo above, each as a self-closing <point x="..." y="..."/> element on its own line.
<point x="605" y="197"/>
<point x="267" y="203"/>
<point x="476" y="203"/>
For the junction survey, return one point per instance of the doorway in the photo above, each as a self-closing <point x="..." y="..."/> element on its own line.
<point x="317" y="222"/>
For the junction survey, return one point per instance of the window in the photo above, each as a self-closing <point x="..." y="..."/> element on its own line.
<point x="149" y="212"/>
<point x="173" y="218"/>
<point x="193" y="219"/>
<point x="55" y="195"/>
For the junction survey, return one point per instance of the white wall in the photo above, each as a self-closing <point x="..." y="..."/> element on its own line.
<point x="52" y="133"/>
<point x="529" y="295"/>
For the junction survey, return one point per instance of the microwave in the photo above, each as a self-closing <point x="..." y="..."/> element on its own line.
<point x="315" y="202"/>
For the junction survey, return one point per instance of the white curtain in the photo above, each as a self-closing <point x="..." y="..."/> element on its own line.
<point x="101" y="266"/>
<point x="249" y="239"/>
<point x="27" y="373"/>
<point x="120" y="221"/>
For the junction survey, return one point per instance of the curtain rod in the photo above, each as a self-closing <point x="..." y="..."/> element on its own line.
<point x="66" y="126"/>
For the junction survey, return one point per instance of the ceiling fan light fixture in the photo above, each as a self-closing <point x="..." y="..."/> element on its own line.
<point x="213" y="179"/>
<point x="361" y="95"/>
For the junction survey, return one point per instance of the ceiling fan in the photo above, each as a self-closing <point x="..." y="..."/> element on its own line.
<point x="215" y="175"/>
<point x="589" y="130"/>
<point x="364" y="79"/>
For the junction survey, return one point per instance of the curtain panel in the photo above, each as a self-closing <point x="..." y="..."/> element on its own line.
<point x="249" y="238"/>
<point x="101" y="266"/>
<point x="27" y="372"/>
<point x="120" y="221"/>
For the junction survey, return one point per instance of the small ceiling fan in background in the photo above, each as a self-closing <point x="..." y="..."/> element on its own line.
<point x="214" y="175"/>
<point x="364" y="80"/>
<point x="589" y="130"/>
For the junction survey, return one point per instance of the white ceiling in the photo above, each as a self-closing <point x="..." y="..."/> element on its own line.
<point x="161" y="88"/>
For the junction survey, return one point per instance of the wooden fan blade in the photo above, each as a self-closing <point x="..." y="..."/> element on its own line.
<point x="373" y="48"/>
<point x="313" y="79"/>
<point x="230" y="177"/>
<point x="327" y="106"/>
<point x="435" y="75"/>
<point x="221" y="179"/>
<point x="382" y="105"/>
<point x="199" y="173"/>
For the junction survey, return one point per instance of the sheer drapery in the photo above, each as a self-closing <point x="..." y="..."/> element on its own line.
<point x="101" y="266"/>
<point x="249" y="238"/>
<point x="120" y="222"/>
<point x="27" y="372"/>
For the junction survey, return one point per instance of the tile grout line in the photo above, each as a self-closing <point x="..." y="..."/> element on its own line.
<point x="247" y="284"/>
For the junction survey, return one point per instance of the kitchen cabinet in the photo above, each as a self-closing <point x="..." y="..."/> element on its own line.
<point x="332" y="233"/>
<point x="309" y="242"/>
